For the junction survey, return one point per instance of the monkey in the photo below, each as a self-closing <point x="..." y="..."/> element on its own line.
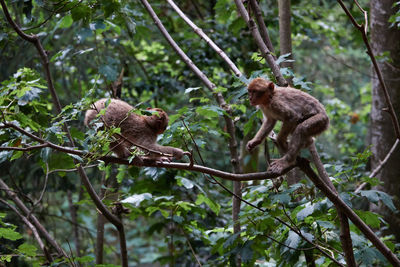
<point x="136" y="129"/>
<point x="302" y="116"/>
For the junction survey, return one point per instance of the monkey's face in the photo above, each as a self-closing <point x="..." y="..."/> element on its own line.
<point x="260" y="91"/>
<point x="159" y="120"/>
<point x="257" y="97"/>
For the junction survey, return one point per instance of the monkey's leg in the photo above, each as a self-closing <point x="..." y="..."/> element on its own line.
<point x="281" y="140"/>
<point x="121" y="148"/>
<point x="303" y="134"/>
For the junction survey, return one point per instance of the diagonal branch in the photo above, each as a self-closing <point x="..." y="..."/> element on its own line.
<point x="380" y="166"/>
<point x="34" y="39"/>
<point x="340" y="204"/>
<point x="261" y="25"/>
<point x="221" y="101"/>
<point x="363" y="29"/>
<point x="265" y="52"/>
<point x="21" y="206"/>
<point x="32" y="228"/>
<point x="208" y="40"/>
<point x="345" y="236"/>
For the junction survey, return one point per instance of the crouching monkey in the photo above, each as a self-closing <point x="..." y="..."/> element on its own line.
<point x="136" y="129"/>
<point x="302" y="116"/>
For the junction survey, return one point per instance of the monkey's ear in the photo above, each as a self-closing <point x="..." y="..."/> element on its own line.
<point x="271" y="86"/>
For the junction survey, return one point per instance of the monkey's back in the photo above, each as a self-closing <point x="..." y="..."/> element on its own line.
<point x="118" y="115"/>
<point x="297" y="102"/>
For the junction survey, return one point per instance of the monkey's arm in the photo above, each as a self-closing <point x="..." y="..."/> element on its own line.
<point x="175" y="152"/>
<point x="266" y="127"/>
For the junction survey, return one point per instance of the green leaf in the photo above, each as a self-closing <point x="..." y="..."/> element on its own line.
<point x="16" y="155"/>
<point x="121" y="173"/>
<point x="283" y="198"/>
<point x="28" y="250"/>
<point x="370" y="218"/>
<point x="85" y="259"/>
<point x="6" y="258"/>
<point x="308" y="210"/>
<point x="231" y="240"/>
<point x="78" y="158"/>
<point x="109" y="72"/>
<point x="388" y="201"/>
<point x="185" y="182"/>
<point x="75" y="133"/>
<point x="368" y="255"/>
<point x="66" y="22"/>
<point x="375" y="196"/>
<point x="97" y="25"/>
<point x="137" y="199"/>
<point x="215" y="207"/>
<point x="209" y="111"/>
<point x="80" y="12"/>
<point x="191" y="89"/>
<point x="60" y="55"/>
<point x="60" y="161"/>
<point x="10" y="234"/>
<point x="247" y="252"/>
<point x="292" y="241"/>
<point x="45" y="154"/>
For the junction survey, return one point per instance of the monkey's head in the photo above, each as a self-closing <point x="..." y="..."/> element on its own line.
<point x="158" y="121"/>
<point x="260" y="91"/>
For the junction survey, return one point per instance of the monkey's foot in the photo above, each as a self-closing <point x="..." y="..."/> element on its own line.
<point x="279" y="166"/>
<point x="164" y="159"/>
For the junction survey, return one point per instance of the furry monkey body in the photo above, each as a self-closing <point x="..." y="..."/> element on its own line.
<point x="135" y="129"/>
<point x="302" y="116"/>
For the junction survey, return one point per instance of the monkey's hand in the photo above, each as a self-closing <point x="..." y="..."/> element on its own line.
<point x="278" y="166"/>
<point x="252" y="144"/>
<point x="178" y="153"/>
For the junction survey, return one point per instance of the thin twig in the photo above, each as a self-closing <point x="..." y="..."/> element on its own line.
<point x="380" y="166"/>
<point x="34" y="39"/>
<point x="363" y="30"/>
<point x="340" y="204"/>
<point x="345" y="237"/>
<point x="10" y="193"/>
<point x="265" y="52"/>
<point x="280" y="243"/>
<point x="210" y="42"/>
<point x="191" y="247"/>
<point x="33" y="229"/>
<point x="261" y="25"/>
<point x="35" y="203"/>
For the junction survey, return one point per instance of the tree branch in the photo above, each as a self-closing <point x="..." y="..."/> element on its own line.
<point x="33" y="229"/>
<point x="363" y="29"/>
<point x="85" y="180"/>
<point x="265" y="52"/>
<point x="380" y="166"/>
<point x="261" y="25"/>
<point x="340" y="204"/>
<point x="221" y="101"/>
<point x="10" y="193"/>
<point x="345" y="237"/>
<point x="210" y="42"/>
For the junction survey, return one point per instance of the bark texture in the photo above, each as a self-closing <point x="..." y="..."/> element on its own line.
<point x="385" y="38"/>
<point x="285" y="32"/>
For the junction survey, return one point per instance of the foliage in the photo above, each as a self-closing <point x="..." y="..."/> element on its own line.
<point x="175" y="216"/>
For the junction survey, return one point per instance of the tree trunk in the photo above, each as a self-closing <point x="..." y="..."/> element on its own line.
<point x="385" y="39"/>
<point x="285" y="32"/>
<point x="285" y="41"/>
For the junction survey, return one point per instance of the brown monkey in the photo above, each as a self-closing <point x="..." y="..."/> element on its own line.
<point x="302" y="116"/>
<point x="138" y="129"/>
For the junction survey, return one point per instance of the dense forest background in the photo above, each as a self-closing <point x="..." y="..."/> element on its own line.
<point x="65" y="199"/>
